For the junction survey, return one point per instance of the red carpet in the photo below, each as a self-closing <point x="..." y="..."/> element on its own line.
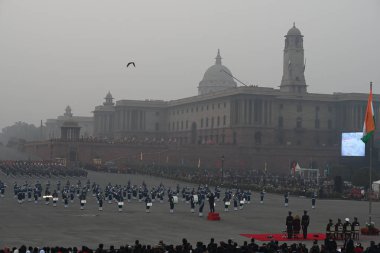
<point x="283" y="237"/>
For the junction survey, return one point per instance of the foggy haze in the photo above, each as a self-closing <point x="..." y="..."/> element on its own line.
<point x="58" y="53"/>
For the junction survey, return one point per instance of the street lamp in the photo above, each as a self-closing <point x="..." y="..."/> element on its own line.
<point x="222" y="159"/>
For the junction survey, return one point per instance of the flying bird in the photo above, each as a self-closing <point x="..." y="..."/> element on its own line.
<point x="131" y="63"/>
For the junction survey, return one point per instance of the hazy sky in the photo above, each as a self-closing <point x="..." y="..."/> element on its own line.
<point x="71" y="52"/>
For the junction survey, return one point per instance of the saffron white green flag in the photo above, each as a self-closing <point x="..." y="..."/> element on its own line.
<point x="369" y="120"/>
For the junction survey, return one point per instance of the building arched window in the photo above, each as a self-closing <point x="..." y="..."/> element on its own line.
<point x="299" y="122"/>
<point x="280" y="122"/>
<point x="201" y="123"/>
<point x="258" y="138"/>
<point x="206" y="122"/>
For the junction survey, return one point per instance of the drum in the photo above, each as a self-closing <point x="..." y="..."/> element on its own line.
<point x="175" y="199"/>
<point x="242" y="201"/>
<point x="83" y="201"/>
<point x="227" y="203"/>
<point x="195" y="198"/>
<point x="55" y="199"/>
<point x="120" y="203"/>
<point x="149" y="204"/>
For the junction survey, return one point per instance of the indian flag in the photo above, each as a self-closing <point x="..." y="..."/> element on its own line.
<point x="369" y="121"/>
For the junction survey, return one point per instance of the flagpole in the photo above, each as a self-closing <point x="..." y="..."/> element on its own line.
<point x="370" y="180"/>
<point x="370" y="174"/>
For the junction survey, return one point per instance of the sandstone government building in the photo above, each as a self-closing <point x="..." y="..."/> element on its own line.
<point x="251" y="127"/>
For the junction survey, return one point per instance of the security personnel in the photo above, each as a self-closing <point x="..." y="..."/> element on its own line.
<point x="305" y="221"/>
<point x="289" y="225"/>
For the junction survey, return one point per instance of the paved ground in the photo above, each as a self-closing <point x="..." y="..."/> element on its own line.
<point x="39" y="225"/>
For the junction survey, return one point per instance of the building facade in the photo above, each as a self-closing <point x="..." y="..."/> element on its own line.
<point x="251" y="116"/>
<point x="53" y="126"/>
<point x="251" y="127"/>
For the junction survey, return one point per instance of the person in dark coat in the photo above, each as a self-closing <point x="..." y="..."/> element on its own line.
<point x="296" y="225"/>
<point x="305" y="223"/>
<point x="289" y="225"/>
<point x="211" y="201"/>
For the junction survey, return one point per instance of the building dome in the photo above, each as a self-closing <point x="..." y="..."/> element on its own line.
<point x="294" y="30"/>
<point x="216" y="78"/>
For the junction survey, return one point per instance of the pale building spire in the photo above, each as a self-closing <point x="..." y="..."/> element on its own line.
<point x="218" y="58"/>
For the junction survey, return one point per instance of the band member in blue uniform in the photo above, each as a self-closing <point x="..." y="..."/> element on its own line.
<point x="148" y="204"/>
<point x="192" y="204"/>
<point x="262" y="194"/>
<point x="227" y="202"/>
<point x="55" y="198"/>
<point x="83" y="201"/>
<point x="286" y="199"/>
<point x="235" y="198"/>
<point x="201" y="205"/>
<point x="171" y="203"/>
<point x="66" y="200"/>
<point x="313" y="199"/>
<point x="100" y="201"/>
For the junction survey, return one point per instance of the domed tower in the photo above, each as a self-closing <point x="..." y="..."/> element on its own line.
<point x="216" y="78"/>
<point x="293" y="78"/>
<point x="68" y="112"/>
<point x="109" y="99"/>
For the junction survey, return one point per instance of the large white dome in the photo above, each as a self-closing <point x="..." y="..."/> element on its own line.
<point x="217" y="77"/>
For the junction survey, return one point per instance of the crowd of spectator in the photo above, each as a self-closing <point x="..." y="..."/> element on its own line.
<point x="125" y="140"/>
<point x="40" y="169"/>
<point x="328" y="246"/>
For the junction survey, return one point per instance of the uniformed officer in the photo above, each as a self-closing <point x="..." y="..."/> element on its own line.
<point x="289" y="225"/>
<point x="305" y="221"/>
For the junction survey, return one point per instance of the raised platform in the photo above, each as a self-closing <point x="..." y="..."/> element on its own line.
<point x="213" y="216"/>
<point x="284" y="237"/>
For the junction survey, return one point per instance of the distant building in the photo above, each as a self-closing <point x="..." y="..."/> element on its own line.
<point x="249" y="127"/>
<point x="248" y="116"/>
<point x="53" y="126"/>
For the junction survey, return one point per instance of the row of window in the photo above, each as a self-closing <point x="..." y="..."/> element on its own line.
<point x="299" y="108"/>
<point x="299" y="123"/>
<point x="204" y="123"/>
<point x="199" y="108"/>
